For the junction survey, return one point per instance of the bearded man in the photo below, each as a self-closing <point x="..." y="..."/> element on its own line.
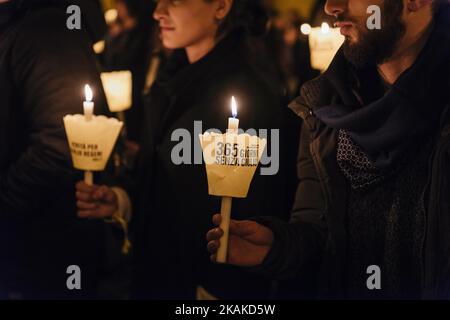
<point x="372" y="210"/>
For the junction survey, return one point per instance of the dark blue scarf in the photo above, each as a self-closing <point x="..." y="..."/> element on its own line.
<point x="387" y="127"/>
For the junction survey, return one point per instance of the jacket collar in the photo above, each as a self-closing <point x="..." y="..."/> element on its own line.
<point x="179" y="74"/>
<point x="432" y="65"/>
<point x="179" y="79"/>
<point x="340" y="79"/>
<point x="346" y="98"/>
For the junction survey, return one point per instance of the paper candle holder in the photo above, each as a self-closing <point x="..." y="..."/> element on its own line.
<point x="91" y="142"/>
<point x="118" y="90"/>
<point x="231" y="161"/>
<point x="323" y="46"/>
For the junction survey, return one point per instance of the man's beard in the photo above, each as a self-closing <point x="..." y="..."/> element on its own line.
<point x="376" y="46"/>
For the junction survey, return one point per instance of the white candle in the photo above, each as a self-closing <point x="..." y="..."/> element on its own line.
<point x="88" y="108"/>
<point x="88" y="105"/>
<point x="325" y="28"/>
<point x="305" y="29"/>
<point x="225" y="209"/>
<point x="233" y="123"/>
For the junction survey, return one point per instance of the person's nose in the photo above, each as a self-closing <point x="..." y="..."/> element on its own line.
<point x="160" y="10"/>
<point x="335" y="7"/>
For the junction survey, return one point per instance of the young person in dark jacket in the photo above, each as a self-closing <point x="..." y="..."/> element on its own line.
<point x="172" y="208"/>
<point x="43" y="69"/>
<point x="132" y="48"/>
<point x="373" y="164"/>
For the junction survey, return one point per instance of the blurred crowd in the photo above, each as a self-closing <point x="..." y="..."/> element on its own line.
<point x="263" y="58"/>
<point x="282" y="55"/>
<point x="133" y="43"/>
<point x="359" y="179"/>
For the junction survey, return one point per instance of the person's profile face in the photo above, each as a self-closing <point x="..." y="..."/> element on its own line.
<point x="184" y="23"/>
<point x="122" y="10"/>
<point x="362" y="45"/>
<point x="351" y="17"/>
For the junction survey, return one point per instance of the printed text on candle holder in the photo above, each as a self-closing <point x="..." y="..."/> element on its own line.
<point x="187" y="150"/>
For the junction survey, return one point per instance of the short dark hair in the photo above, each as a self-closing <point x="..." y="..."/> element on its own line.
<point x="139" y="9"/>
<point x="248" y="15"/>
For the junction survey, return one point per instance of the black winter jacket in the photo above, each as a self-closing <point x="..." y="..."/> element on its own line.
<point x="174" y="209"/>
<point x="43" y="69"/>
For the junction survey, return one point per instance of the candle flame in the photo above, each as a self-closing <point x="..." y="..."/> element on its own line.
<point x="233" y="107"/>
<point x="305" y="29"/>
<point x="88" y="93"/>
<point x="325" y="28"/>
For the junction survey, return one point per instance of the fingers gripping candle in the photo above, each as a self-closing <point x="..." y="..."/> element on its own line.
<point x="231" y="160"/>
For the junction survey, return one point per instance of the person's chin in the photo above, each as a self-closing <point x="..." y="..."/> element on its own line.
<point x="352" y="39"/>
<point x="351" y="43"/>
<point x="169" y="44"/>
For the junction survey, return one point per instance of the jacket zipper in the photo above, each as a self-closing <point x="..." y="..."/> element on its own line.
<point x="425" y="222"/>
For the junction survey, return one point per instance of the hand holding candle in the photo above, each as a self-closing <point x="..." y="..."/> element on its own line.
<point x="231" y="161"/>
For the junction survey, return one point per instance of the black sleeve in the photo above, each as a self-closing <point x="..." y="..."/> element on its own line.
<point x="50" y="66"/>
<point x="299" y="244"/>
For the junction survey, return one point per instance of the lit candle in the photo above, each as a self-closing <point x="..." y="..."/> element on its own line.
<point x="118" y="87"/>
<point x="233" y="123"/>
<point x="305" y="29"/>
<point x="88" y="108"/>
<point x="325" y="28"/>
<point x="225" y="208"/>
<point x="88" y="105"/>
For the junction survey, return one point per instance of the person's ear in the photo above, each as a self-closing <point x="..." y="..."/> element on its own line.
<point x="416" y="5"/>
<point x="224" y="7"/>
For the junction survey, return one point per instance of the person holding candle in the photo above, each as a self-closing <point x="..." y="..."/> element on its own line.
<point x="373" y="165"/>
<point x="131" y="44"/>
<point x="43" y="68"/>
<point x="212" y="62"/>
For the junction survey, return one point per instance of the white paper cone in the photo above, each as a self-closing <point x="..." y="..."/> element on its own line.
<point x="231" y="161"/>
<point x="91" y="142"/>
<point x="324" y="46"/>
<point x="118" y="90"/>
